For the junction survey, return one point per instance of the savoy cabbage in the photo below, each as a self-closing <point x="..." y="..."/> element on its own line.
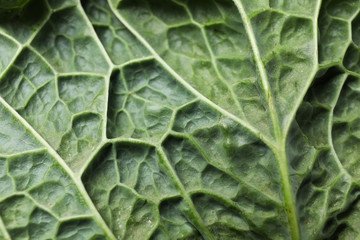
<point x="180" y="119"/>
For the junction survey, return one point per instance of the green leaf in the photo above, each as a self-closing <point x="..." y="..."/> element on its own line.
<point x="180" y="119"/>
<point x="12" y="4"/>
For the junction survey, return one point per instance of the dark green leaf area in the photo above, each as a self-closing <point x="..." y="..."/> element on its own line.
<point x="11" y="4"/>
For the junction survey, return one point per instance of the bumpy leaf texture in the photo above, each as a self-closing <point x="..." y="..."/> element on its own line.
<point x="180" y="119"/>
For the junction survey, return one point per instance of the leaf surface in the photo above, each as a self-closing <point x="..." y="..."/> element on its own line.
<point x="182" y="119"/>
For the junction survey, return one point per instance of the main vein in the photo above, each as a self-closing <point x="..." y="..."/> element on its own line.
<point x="280" y="150"/>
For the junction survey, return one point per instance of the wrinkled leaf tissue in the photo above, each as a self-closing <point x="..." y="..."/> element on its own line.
<point x="180" y="119"/>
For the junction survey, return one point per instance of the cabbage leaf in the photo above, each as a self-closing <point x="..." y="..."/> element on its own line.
<point x="180" y="119"/>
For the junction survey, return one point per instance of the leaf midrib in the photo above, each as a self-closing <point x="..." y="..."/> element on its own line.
<point x="280" y="150"/>
<point x="281" y="136"/>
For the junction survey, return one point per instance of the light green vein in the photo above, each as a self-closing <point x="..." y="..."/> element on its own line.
<point x="108" y="75"/>
<point x="76" y="180"/>
<point x="136" y="60"/>
<point x="35" y="150"/>
<point x="213" y="60"/>
<point x="195" y="218"/>
<point x="330" y="124"/>
<point x="186" y="84"/>
<point x="226" y="171"/>
<point x="312" y="75"/>
<point x="3" y="230"/>
<point x="280" y="150"/>
<point x="261" y="69"/>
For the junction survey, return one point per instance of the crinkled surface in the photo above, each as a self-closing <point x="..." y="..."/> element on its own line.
<point x="180" y="119"/>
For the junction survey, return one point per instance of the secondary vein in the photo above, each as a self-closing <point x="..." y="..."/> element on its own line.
<point x="53" y="153"/>
<point x="266" y="140"/>
<point x="3" y="230"/>
<point x="196" y="218"/>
